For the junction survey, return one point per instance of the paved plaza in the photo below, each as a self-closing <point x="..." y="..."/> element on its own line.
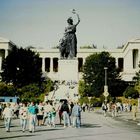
<point x="94" y="126"/>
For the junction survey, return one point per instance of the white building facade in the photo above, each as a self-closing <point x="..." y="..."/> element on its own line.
<point x="127" y="58"/>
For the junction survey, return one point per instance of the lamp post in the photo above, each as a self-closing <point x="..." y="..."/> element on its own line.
<point x="105" y="68"/>
<point x="105" y="86"/>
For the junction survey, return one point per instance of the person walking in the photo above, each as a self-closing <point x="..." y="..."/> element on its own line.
<point x="23" y="113"/>
<point x="53" y="116"/>
<point x="7" y="114"/>
<point x="33" y="110"/>
<point x="65" y="112"/>
<point x="114" y="110"/>
<point x="47" y="113"/>
<point x="76" y="114"/>
<point x="40" y="114"/>
<point x="104" y="108"/>
<point x="134" y="111"/>
<point x="1" y="110"/>
<point x="58" y="109"/>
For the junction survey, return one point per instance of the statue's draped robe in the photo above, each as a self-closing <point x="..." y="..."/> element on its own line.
<point x="68" y="45"/>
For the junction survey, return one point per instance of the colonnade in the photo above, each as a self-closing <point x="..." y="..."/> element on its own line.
<point x="50" y="64"/>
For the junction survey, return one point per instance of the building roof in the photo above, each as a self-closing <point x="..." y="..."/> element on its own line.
<point x="3" y="40"/>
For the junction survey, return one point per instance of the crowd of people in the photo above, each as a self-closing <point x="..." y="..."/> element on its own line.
<point x="116" y="107"/>
<point x="33" y="114"/>
<point x="69" y="113"/>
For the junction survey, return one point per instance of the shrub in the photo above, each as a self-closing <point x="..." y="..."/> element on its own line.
<point x="96" y="102"/>
<point x="131" y="92"/>
<point x="83" y="100"/>
<point x="7" y="90"/>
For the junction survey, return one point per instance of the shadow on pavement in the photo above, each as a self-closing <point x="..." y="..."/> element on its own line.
<point x="17" y="136"/>
<point x="90" y="125"/>
<point x="1" y="126"/>
<point x="47" y="130"/>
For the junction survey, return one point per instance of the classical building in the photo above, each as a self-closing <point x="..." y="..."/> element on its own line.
<point x="127" y="58"/>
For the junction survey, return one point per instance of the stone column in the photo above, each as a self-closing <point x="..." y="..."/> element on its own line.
<point x="51" y="64"/>
<point x="131" y="60"/>
<point x="84" y="59"/>
<point x="6" y="53"/>
<point x="43" y="64"/>
<point x="116" y="60"/>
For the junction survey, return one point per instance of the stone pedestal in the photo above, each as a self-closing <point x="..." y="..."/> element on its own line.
<point x="68" y="81"/>
<point x="68" y="70"/>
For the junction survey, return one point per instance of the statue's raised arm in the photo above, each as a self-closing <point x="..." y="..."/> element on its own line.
<point x="74" y="12"/>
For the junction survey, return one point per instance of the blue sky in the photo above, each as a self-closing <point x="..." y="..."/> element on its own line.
<point x="41" y="23"/>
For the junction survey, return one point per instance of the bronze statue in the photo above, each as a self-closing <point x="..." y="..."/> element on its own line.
<point x="68" y="44"/>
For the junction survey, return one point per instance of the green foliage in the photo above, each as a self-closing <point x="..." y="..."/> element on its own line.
<point x="82" y="88"/>
<point x="137" y="87"/>
<point x="83" y="100"/>
<point x="7" y="90"/>
<point x="131" y="92"/>
<point x="41" y="97"/>
<point x="93" y="101"/>
<point x="96" y="102"/>
<point x="86" y="47"/>
<point x="21" y="67"/>
<point x="94" y="75"/>
<point x="46" y="86"/>
<point x="119" y="100"/>
<point x="35" y="91"/>
<point x="31" y="92"/>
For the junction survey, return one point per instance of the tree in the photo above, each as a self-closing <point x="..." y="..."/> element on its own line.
<point x="94" y="75"/>
<point x="29" y="92"/>
<point x="131" y="92"/>
<point x="7" y="90"/>
<point x="82" y="88"/>
<point x="21" y="67"/>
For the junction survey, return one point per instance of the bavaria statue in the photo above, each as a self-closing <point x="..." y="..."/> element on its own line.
<point x="68" y="44"/>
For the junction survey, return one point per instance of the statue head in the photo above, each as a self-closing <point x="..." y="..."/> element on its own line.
<point x="70" y="20"/>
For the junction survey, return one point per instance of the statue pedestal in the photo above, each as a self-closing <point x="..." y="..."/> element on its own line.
<point x="68" y="77"/>
<point x="68" y="70"/>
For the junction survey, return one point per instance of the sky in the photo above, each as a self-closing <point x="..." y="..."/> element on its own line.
<point x="41" y="23"/>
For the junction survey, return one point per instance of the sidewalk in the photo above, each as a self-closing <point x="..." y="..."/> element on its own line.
<point x="123" y="116"/>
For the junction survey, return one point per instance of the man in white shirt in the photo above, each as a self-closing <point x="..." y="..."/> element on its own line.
<point x="7" y="114"/>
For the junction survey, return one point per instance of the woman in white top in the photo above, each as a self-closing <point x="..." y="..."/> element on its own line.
<point x="7" y="114"/>
<point x="23" y="112"/>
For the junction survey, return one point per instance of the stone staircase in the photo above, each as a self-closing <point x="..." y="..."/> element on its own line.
<point x="64" y="91"/>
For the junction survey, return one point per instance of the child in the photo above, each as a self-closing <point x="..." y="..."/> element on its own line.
<point x="53" y="115"/>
